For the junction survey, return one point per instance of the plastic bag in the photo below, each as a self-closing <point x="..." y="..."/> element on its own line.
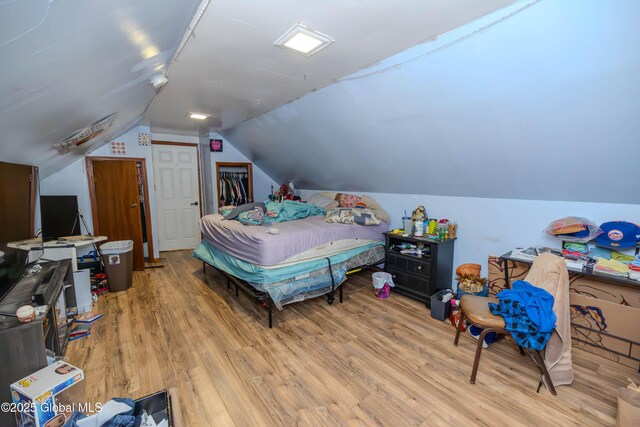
<point x="573" y="229"/>
<point x="380" y="278"/>
<point x="629" y="406"/>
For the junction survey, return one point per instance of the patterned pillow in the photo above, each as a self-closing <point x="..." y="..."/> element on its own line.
<point x="347" y="200"/>
<point x="339" y="216"/>
<point x="352" y="216"/>
<point x="364" y="217"/>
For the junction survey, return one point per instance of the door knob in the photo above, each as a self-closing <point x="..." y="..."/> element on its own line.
<point x="133" y="205"/>
<point x="194" y="204"/>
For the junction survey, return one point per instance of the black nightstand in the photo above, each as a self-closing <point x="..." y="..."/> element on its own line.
<point x="419" y="276"/>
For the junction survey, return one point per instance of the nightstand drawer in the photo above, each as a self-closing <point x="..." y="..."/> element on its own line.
<point x="410" y="264"/>
<point x="416" y="285"/>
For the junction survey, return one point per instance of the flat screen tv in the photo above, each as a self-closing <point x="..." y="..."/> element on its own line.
<point x="18" y="192"/>
<point x="59" y="217"/>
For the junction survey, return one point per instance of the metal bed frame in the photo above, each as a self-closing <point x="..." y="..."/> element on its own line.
<point x="264" y="299"/>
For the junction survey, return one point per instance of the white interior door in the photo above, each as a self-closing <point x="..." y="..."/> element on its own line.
<point x="177" y="196"/>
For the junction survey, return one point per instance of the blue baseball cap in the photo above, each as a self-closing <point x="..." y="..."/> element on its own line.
<point x="618" y="234"/>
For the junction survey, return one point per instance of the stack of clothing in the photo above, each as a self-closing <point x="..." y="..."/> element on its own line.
<point x="611" y="267"/>
<point x="598" y="252"/>
<point x="528" y="314"/>
<point x="634" y="268"/>
<point x="575" y="250"/>
<point x="623" y="258"/>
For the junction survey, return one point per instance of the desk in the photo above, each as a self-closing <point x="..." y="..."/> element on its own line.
<point x="604" y="308"/>
<point x="625" y="281"/>
<point x="56" y="250"/>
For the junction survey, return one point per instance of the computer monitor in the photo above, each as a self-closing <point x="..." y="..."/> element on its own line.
<point x="59" y="217"/>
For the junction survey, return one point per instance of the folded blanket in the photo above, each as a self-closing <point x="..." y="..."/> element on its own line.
<point x="528" y="314"/>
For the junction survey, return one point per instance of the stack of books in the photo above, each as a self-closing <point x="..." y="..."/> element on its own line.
<point x="82" y="325"/>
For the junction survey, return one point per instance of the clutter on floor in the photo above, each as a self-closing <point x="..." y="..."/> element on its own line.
<point x="81" y="326"/>
<point x="150" y="411"/>
<point x="39" y="391"/>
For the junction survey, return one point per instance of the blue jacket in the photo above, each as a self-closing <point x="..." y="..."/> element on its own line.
<point x="528" y="314"/>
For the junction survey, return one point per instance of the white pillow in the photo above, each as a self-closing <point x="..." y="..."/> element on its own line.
<point x="322" y="201"/>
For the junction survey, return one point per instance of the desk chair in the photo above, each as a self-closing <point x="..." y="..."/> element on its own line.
<point x="476" y="310"/>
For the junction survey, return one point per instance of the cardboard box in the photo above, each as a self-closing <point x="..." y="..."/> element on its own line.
<point x="34" y="396"/>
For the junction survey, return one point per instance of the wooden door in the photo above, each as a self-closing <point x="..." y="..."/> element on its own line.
<point x="177" y="196"/>
<point x="117" y="204"/>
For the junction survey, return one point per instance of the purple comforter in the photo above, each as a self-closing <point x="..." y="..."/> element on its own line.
<point x="253" y="244"/>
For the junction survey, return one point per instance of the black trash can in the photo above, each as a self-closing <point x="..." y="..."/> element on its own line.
<point x="118" y="264"/>
<point x="440" y="310"/>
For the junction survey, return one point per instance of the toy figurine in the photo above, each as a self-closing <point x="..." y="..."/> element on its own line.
<point x="419" y="214"/>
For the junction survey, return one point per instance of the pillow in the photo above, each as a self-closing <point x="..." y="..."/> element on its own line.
<point x="323" y="201"/>
<point x="352" y="216"/>
<point x="329" y="194"/>
<point x="364" y="217"/>
<point x="372" y="204"/>
<point x="339" y="216"/>
<point x="347" y="200"/>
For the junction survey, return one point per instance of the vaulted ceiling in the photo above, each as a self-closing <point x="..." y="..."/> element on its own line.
<point x="231" y="69"/>
<point x="66" y="64"/>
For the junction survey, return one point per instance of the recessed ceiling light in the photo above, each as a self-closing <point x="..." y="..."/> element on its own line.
<point x="198" y="116"/>
<point x="303" y="40"/>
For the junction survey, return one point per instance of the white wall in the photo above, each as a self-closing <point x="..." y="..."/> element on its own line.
<point x="72" y="180"/>
<point x="495" y="226"/>
<point x="261" y="181"/>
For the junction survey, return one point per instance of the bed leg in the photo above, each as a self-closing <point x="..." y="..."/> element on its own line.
<point x="341" y="292"/>
<point x="270" y="313"/>
<point x="237" y="291"/>
<point x="331" y="297"/>
<point x="228" y="283"/>
<point x="204" y="267"/>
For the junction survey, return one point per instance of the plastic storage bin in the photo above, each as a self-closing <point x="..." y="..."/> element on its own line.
<point x="440" y="310"/>
<point x="118" y="262"/>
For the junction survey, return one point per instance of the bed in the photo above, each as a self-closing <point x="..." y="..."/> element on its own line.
<point x="304" y="258"/>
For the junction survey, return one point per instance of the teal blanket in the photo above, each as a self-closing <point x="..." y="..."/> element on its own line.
<point x="289" y="210"/>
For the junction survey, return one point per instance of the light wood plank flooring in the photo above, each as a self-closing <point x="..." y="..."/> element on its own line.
<point x="363" y="362"/>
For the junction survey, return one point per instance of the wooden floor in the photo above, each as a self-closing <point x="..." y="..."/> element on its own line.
<point x="363" y="362"/>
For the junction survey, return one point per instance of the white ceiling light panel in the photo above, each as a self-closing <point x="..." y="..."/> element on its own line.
<point x="303" y="40"/>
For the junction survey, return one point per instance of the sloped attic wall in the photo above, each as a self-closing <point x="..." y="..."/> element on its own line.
<point x="542" y="105"/>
